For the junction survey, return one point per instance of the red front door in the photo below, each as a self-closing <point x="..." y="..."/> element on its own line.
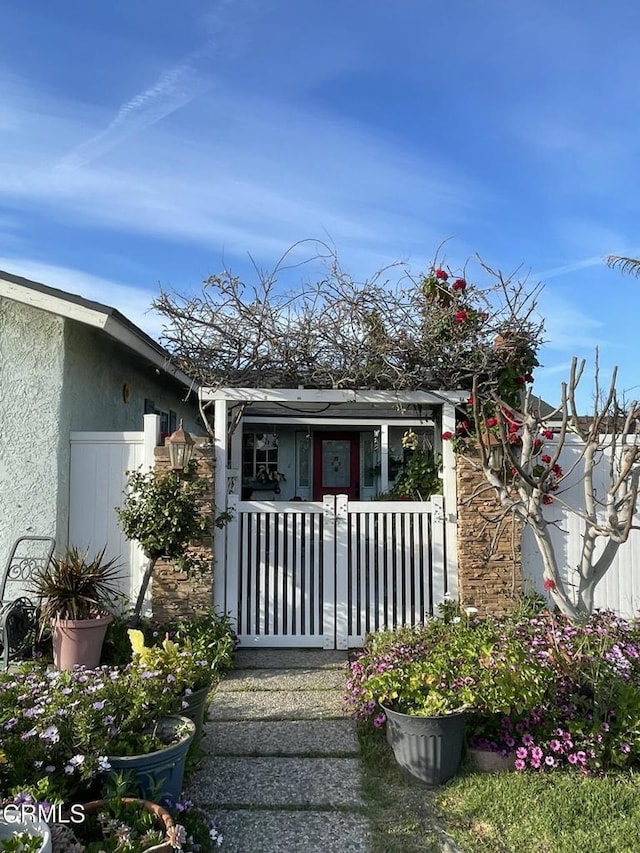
<point x="336" y="464"/>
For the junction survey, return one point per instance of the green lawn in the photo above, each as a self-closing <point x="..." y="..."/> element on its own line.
<point x="546" y="813"/>
<point x="498" y="813"/>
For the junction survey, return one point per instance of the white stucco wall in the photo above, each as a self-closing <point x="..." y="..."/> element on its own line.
<point x="96" y="370"/>
<point x="56" y="376"/>
<point x="31" y="381"/>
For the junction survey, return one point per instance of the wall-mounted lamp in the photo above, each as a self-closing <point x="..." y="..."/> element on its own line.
<point x="180" y="446"/>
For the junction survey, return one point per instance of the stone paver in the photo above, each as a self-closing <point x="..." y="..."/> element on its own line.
<point x="284" y="679"/>
<point x="279" y="767"/>
<point x="224" y="780"/>
<point x="293" y="737"/>
<point x="277" y="705"/>
<point x="289" y="659"/>
<point x="274" y="831"/>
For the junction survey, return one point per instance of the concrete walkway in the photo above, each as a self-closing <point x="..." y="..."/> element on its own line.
<point x="280" y="768"/>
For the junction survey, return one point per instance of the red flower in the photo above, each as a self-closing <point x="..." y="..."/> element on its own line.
<point x="404" y="498"/>
<point x="528" y="377"/>
<point x="545" y="458"/>
<point x="447" y="436"/>
<point x="459" y="284"/>
<point x="514" y="426"/>
<point x="470" y="401"/>
<point x="461" y="316"/>
<point x="463" y="426"/>
<point x="491" y="422"/>
<point x="549" y="583"/>
<point x="537" y="444"/>
<point x="547" y="499"/>
<point x="519" y="380"/>
<point x="514" y="471"/>
<point x="441" y="274"/>
<point x="547" y="433"/>
<point x="557" y="470"/>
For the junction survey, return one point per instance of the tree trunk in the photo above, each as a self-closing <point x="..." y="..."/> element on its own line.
<point x="144" y="586"/>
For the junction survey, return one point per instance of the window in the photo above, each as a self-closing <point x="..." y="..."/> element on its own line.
<point x="259" y="451"/>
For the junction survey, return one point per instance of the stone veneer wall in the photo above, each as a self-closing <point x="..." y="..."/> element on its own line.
<point x="489" y="577"/>
<point x="174" y="593"/>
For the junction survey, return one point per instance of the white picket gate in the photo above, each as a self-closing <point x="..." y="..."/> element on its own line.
<point x="326" y="573"/>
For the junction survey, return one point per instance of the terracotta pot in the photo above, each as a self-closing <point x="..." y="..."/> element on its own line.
<point x="164" y="820"/>
<point x="488" y="761"/>
<point x="78" y="642"/>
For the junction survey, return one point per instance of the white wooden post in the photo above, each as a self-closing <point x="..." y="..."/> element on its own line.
<point x="384" y="457"/>
<point x="151" y="439"/>
<point x="232" y="560"/>
<point x="328" y="561"/>
<point x="220" y="602"/>
<point x="449" y="493"/>
<point x="342" y="562"/>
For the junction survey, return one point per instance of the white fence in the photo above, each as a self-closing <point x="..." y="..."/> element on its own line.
<point x="326" y="573"/>
<point x="620" y="588"/>
<point x="99" y="462"/>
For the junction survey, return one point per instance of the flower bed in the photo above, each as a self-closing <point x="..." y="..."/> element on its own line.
<point x="552" y="693"/>
<point x="57" y="728"/>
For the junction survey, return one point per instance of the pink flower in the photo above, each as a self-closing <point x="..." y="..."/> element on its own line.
<point x="519" y="764"/>
<point x="441" y="274"/>
<point x="459" y="284"/>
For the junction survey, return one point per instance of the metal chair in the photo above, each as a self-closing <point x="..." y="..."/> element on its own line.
<point x="19" y="612"/>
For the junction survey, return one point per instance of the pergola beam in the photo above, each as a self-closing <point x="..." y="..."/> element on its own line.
<point x="329" y="395"/>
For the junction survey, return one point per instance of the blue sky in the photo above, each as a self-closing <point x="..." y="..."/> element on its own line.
<point x="145" y="143"/>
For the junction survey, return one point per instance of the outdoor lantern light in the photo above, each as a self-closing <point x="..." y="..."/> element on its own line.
<point x="180" y="446"/>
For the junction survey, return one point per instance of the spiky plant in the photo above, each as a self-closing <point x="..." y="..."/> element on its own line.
<point x="77" y="586"/>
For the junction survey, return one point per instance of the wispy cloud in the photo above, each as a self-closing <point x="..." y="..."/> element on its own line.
<point x="198" y="181"/>
<point x="175" y="87"/>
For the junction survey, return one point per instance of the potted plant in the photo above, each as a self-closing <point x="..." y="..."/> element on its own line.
<point x="24" y="836"/>
<point x="131" y="825"/>
<point x="157" y="765"/>
<point x="189" y="674"/>
<point x="269" y="479"/>
<point x="425" y="725"/>
<point x="79" y="595"/>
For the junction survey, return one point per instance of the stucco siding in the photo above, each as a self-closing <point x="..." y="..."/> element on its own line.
<point x="31" y="381"/>
<point x="96" y="373"/>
